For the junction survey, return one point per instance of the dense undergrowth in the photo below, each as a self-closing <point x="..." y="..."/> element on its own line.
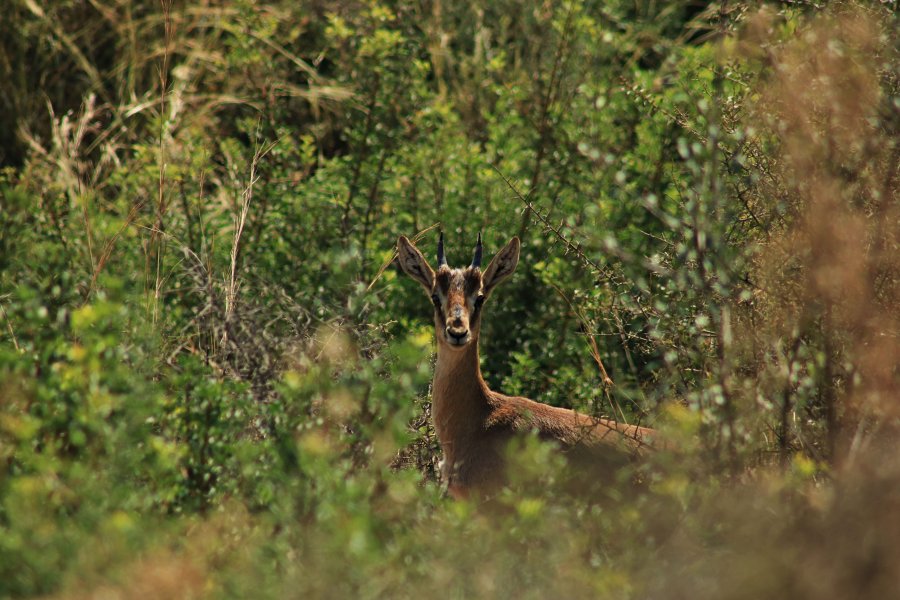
<point x="212" y="383"/>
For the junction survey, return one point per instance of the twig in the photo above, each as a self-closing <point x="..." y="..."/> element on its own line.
<point x="12" y="333"/>
<point x="595" y="351"/>
<point x="571" y="247"/>
<point x="110" y="243"/>
<point x="387" y="263"/>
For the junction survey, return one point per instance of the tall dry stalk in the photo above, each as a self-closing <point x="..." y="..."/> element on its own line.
<point x="240" y="222"/>
<point x="156" y="246"/>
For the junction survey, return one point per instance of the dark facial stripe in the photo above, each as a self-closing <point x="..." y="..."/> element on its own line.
<point x="443" y="279"/>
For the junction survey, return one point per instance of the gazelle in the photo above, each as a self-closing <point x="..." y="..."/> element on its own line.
<point x="474" y="423"/>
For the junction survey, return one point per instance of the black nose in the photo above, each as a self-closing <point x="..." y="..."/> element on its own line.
<point x="458" y="335"/>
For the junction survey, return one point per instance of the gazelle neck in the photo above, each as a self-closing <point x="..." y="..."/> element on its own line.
<point x="459" y="394"/>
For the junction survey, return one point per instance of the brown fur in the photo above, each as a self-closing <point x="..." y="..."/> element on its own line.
<point x="475" y="424"/>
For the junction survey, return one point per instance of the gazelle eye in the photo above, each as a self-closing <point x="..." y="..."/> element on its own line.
<point x="479" y="300"/>
<point x="436" y="300"/>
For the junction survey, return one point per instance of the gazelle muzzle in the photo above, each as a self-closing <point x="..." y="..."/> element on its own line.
<point x="457" y="329"/>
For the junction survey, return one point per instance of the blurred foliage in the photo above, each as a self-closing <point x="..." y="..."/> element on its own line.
<point x="211" y="383"/>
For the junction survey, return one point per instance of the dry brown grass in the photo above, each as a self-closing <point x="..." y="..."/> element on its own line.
<point x="827" y="312"/>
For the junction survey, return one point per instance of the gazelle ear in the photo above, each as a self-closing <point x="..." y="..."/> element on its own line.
<point x="502" y="266"/>
<point x="414" y="264"/>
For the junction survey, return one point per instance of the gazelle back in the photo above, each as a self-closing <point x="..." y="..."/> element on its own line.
<point x="473" y="423"/>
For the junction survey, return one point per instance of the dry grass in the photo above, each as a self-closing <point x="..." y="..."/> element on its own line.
<point x="826" y="317"/>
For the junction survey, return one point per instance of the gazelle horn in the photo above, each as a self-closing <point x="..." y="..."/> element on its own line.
<point x="476" y="262"/>
<point x="442" y="260"/>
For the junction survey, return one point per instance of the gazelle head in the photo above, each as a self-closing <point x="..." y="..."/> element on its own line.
<point x="457" y="294"/>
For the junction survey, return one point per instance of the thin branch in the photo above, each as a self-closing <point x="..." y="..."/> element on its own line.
<point x="9" y="328"/>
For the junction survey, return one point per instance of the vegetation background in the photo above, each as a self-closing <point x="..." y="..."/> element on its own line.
<point x="212" y="384"/>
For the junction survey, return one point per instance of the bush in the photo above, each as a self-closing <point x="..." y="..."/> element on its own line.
<point x="212" y="381"/>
